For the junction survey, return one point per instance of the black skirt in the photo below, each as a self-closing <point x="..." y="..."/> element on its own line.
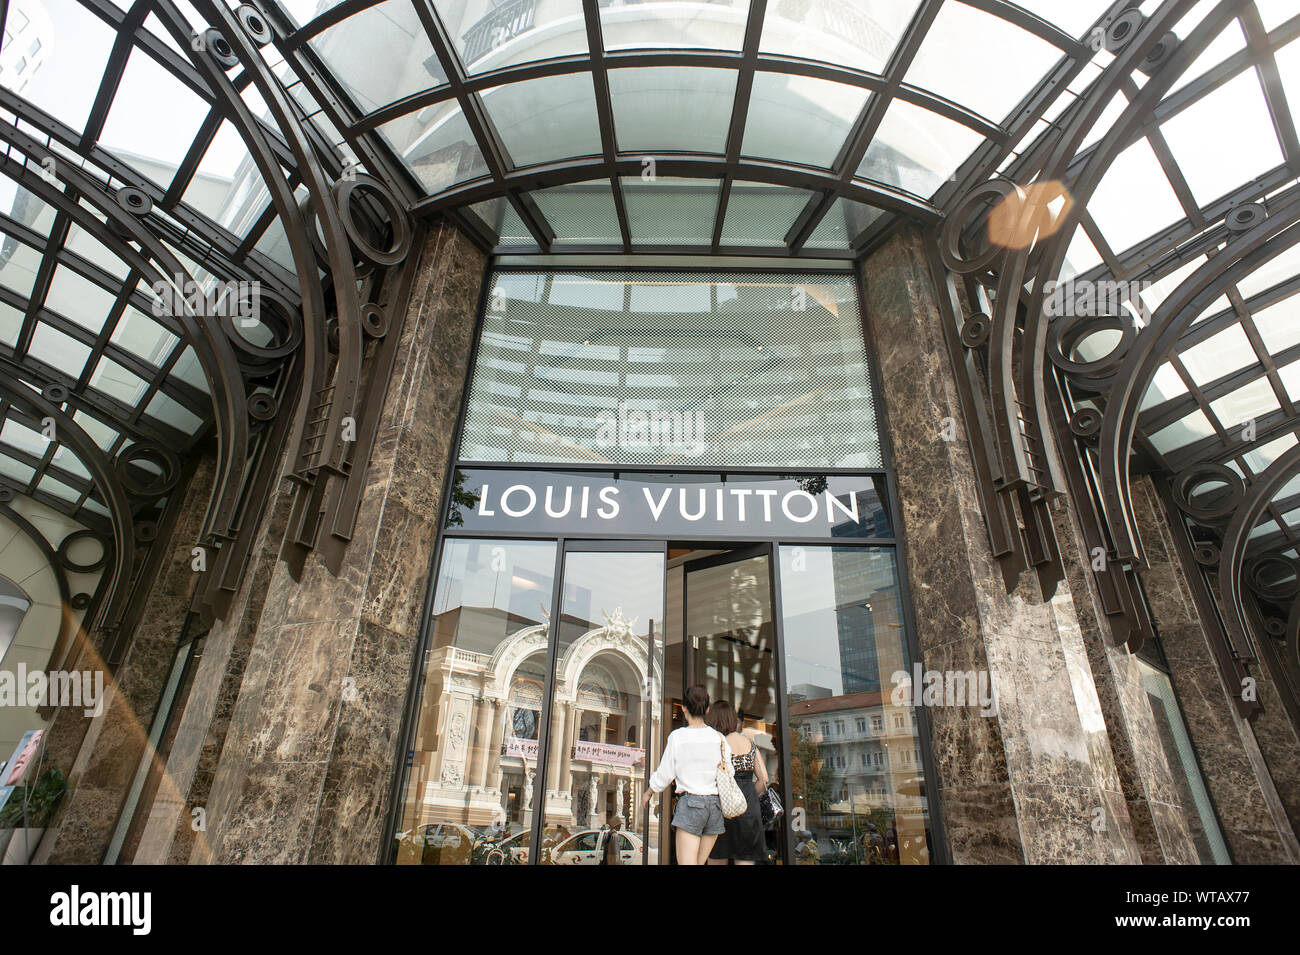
<point x="743" y="840"/>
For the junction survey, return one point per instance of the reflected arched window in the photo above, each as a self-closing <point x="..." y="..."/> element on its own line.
<point x="13" y="607"/>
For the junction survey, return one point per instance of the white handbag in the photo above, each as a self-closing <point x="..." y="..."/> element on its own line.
<point x="733" y="800"/>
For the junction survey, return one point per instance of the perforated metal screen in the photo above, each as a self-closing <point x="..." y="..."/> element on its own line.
<point x="674" y="368"/>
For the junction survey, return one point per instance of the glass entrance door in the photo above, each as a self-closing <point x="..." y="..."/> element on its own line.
<point x="604" y="705"/>
<point x="730" y="647"/>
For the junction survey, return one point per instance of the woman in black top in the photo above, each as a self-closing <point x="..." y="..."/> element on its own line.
<point x="743" y="842"/>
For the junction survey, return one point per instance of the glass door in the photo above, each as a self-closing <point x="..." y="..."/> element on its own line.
<point x="603" y="708"/>
<point x="730" y="648"/>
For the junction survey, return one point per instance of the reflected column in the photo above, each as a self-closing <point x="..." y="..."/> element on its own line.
<point x="491" y="756"/>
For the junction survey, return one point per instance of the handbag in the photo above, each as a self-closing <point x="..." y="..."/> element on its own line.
<point x="769" y="806"/>
<point x="733" y="800"/>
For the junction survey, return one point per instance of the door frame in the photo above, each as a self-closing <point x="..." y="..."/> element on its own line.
<point x="745" y="551"/>
<point x="564" y="547"/>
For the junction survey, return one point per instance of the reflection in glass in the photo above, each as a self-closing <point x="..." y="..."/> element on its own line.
<point x="472" y="778"/>
<point x="855" y="758"/>
<point x="732" y="643"/>
<point x="605" y="727"/>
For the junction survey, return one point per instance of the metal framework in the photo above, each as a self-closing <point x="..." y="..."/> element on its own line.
<point x="325" y="209"/>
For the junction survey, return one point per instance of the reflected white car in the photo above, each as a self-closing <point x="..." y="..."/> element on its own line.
<point x="588" y="848"/>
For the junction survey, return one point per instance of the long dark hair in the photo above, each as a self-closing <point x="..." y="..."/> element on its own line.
<point x="722" y="717"/>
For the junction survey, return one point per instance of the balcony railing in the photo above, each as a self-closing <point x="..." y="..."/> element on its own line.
<point x="500" y="26"/>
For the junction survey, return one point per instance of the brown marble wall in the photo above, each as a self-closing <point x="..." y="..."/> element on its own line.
<point x="109" y="749"/>
<point x="1037" y="783"/>
<point x="1156" y="810"/>
<point x="1251" y="816"/>
<point x="310" y="750"/>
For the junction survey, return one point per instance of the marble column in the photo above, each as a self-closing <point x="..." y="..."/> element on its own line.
<point x="565" y="783"/>
<point x="1251" y="815"/>
<point x="501" y="729"/>
<point x="100" y="755"/>
<point x="300" y="695"/>
<point x="1036" y="782"/>
<point x="489" y="742"/>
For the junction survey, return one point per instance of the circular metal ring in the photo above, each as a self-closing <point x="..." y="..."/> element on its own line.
<point x="332" y="334"/>
<point x="1256" y="580"/>
<point x="6" y="495"/>
<point x="56" y="393"/>
<point x="276" y="313"/>
<point x="1275" y="627"/>
<point x="135" y="201"/>
<point x="1200" y="474"/>
<point x="1123" y="28"/>
<point x="80" y="601"/>
<point x="374" y="320"/>
<point x="1207" y="555"/>
<point x="164" y="458"/>
<point x="1245" y="216"/>
<point x="975" y="330"/>
<point x="262" y="406"/>
<point x="1085" y="423"/>
<point x="217" y="45"/>
<point x="1159" y="54"/>
<point x="1065" y="333"/>
<point x="65" y="547"/>
<point x="145" y="531"/>
<point x="254" y="24"/>
<point x="344" y="190"/>
<point x="950" y="236"/>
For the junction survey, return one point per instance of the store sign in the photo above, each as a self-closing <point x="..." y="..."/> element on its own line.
<point x="742" y="506"/>
<point x="607" y="753"/>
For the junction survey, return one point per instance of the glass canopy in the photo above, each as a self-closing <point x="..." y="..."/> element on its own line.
<point x="791" y="128"/>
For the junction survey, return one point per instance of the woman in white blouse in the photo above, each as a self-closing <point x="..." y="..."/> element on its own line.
<point x="690" y="761"/>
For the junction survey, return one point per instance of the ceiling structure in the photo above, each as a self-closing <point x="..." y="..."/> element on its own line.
<point x="155" y="139"/>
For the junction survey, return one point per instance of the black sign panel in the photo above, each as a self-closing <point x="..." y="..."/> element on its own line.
<point x="741" y="506"/>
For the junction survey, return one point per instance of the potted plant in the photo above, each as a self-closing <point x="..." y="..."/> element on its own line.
<point x="41" y="799"/>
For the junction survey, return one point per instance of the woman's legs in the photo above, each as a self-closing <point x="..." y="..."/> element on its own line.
<point x="688" y="847"/>
<point x="706" y="846"/>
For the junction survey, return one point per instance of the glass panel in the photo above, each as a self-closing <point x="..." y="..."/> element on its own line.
<point x="154" y="118"/>
<point x="581" y="214"/>
<point x="13" y="607"/>
<point x="11" y="324"/>
<point x="861" y="34"/>
<point x="79" y="299"/>
<point x="667" y="211"/>
<point x="1261" y="458"/>
<point x="733" y="652"/>
<point x="663" y="109"/>
<point x="100" y="433"/>
<point x="844" y="221"/>
<point x="800" y="118"/>
<point x="388" y="34"/>
<point x="227" y="187"/>
<point x="118" y="382"/>
<point x="758" y="369"/>
<point x="188" y="370"/>
<point x="916" y="149"/>
<point x="1134" y="199"/>
<point x="1245" y="404"/>
<point x="1074" y="17"/>
<point x="1279" y="324"/>
<point x="471" y="780"/>
<point x="855" y="755"/>
<point x="91" y="249"/>
<point x="542" y="120"/>
<point x="631" y="24"/>
<point x="953" y="60"/>
<point x="490" y="36"/>
<point x="1210" y="846"/>
<point x="58" y="350"/>
<point x="437" y="144"/>
<point x="1184" y="431"/>
<point x="1243" y="145"/>
<point x="760" y="214"/>
<point x="23" y="438"/>
<point x="18" y="265"/>
<point x="24" y="207"/>
<point x="142" y="336"/>
<point x="171" y="412"/>
<point x="606" y="729"/>
<point x="500" y="216"/>
<point x="1219" y="355"/>
<point x="64" y="79"/>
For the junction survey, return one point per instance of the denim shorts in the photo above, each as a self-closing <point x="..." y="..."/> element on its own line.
<point x="699" y="815"/>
